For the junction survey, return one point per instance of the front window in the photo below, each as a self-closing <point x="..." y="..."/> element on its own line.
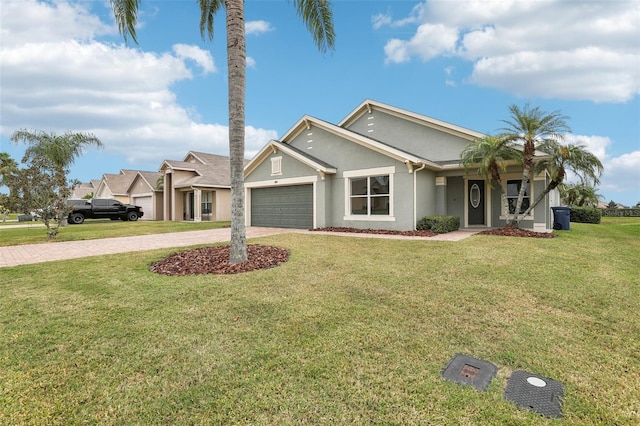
<point x="513" y="190"/>
<point x="206" y="202"/>
<point x="370" y="195"/>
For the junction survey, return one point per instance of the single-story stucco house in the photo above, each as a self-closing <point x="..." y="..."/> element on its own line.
<point x="116" y="186"/>
<point x="381" y="167"/>
<point x="198" y="188"/>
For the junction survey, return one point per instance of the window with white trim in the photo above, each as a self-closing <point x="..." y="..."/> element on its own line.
<point x="276" y="166"/>
<point x="370" y="195"/>
<point x="206" y="202"/>
<point x="513" y="190"/>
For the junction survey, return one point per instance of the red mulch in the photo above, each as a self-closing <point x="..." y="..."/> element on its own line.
<point x="215" y="260"/>
<point x="378" y="231"/>
<point x="517" y="232"/>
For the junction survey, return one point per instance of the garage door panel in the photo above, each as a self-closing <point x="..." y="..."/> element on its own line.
<point x="147" y="206"/>
<point x="282" y="207"/>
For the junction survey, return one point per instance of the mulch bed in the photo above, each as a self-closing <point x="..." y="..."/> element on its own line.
<point x="517" y="232"/>
<point x="215" y="260"/>
<point x="378" y="231"/>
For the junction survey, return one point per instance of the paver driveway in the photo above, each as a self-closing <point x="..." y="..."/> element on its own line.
<point x="47" y="252"/>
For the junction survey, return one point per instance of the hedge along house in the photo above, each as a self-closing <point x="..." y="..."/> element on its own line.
<point x="381" y="167"/>
<point x="197" y="188"/>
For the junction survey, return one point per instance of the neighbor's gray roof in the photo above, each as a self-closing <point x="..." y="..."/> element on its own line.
<point x="216" y="170"/>
<point x="151" y="178"/>
<point x="118" y="184"/>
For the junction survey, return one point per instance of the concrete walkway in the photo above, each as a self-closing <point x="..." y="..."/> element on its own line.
<point x="52" y="251"/>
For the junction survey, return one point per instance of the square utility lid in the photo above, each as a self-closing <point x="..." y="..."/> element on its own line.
<point x="466" y="370"/>
<point x="535" y="393"/>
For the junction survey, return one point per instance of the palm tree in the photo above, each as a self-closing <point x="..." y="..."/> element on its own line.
<point x="318" y="18"/>
<point x="562" y="158"/>
<point x="491" y="155"/>
<point x="579" y="194"/>
<point x="8" y="166"/>
<point x="531" y="127"/>
<point x="53" y="154"/>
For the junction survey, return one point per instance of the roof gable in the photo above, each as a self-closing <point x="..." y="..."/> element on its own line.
<point x="369" y="105"/>
<point x="274" y="146"/>
<point x="306" y="122"/>
<point x="149" y="179"/>
<point x="209" y="169"/>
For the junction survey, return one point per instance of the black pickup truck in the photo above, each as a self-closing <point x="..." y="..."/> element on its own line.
<point x="102" y="208"/>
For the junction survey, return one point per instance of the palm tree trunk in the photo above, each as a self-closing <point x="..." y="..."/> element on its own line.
<point x="528" y="152"/>
<point x="552" y="185"/>
<point x="236" y="60"/>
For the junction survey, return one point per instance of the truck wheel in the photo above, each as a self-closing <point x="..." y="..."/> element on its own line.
<point x="76" y="218"/>
<point x="132" y="216"/>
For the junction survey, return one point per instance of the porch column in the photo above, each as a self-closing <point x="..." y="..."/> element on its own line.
<point x="197" y="205"/>
<point x="167" y="198"/>
<point x="441" y="195"/>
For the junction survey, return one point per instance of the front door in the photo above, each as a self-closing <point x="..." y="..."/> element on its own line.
<point x="475" y="203"/>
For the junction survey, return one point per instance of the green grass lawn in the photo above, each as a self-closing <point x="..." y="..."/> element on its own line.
<point x="35" y="232"/>
<point x="348" y="331"/>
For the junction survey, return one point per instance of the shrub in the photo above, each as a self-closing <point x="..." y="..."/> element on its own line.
<point x="585" y="214"/>
<point x="439" y="224"/>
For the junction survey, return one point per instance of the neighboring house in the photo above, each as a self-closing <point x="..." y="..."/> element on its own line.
<point x="197" y="188"/>
<point x="116" y="186"/>
<point x="134" y="187"/>
<point x="144" y="192"/>
<point x="84" y="190"/>
<point x="381" y="167"/>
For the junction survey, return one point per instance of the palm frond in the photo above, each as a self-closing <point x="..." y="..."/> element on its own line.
<point x="208" y="10"/>
<point x="125" y="13"/>
<point x="318" y="18"/>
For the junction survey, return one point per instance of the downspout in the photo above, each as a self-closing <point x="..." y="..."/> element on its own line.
<point x="415" y="195"/>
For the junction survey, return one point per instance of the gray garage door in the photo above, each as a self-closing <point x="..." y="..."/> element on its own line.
<point x="283" y="207"/>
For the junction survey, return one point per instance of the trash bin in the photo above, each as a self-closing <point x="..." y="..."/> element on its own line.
<point x="561" y="218"/>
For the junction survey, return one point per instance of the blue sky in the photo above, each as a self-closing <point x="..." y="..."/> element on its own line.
<point x="63" y="66"/>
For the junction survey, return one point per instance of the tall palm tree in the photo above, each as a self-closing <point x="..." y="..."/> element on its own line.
<point x="491" y="155"/>
<point x="562" y="158"/>
<point x="318" y="18"/>
<point x="531" y="127"/>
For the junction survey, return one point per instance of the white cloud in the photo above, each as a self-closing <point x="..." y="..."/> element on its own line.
<point x="63" y="79"/>
<point x="429" y="41"/>
<point x="200" y="56"/>
<point x="257" y="27"/>
<point x="597" y="145"/>
<point x="621" y="174"/>
<point x="48" y="22"/>
<point x="251" y="63"/>
<point x="579" y="50"/>
<point x="385" y="19"/>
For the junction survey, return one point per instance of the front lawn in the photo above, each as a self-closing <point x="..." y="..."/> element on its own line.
<point x="35" y="232"/>
<point x="348" y="331"/>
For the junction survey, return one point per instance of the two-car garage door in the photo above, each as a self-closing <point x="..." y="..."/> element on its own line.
<point x="282" y="207"/>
